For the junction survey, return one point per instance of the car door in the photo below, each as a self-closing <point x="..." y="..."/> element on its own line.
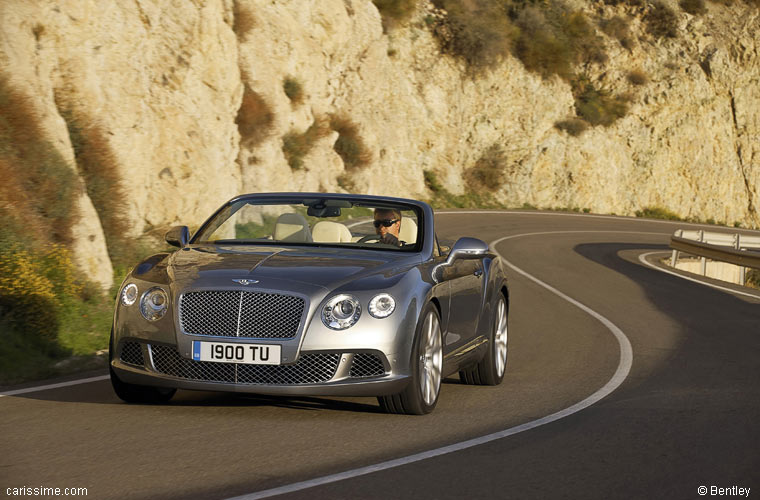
<point x="465" y="277"/>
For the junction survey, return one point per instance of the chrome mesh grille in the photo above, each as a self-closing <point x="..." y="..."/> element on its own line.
<point x="261" y="315"/>
<point x="310" y="369"/>
<point x="168" y="361"/>
<point x="132" y="354"/>
<point x="367" y="365"/>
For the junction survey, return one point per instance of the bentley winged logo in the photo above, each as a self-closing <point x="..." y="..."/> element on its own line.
<point x="244" y="281"/>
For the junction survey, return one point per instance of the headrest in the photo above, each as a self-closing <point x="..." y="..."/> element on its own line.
<point x="292" y="227"/>
<point x="408" y="231"/>
<point x="330" y="232"/>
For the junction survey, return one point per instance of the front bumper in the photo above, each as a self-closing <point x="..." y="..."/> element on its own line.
<point x="322" y="373"/>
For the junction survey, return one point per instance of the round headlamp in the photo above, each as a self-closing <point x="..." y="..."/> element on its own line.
<point x="341" y="312"/>
<point x="129" y="294"/>
<point x="381" y="306"/>
<point x="154" y="303"/>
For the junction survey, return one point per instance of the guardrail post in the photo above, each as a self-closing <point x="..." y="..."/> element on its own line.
<point x="742" y="269"/>
<point x="674" y="256"/>
<point x="704" y="260"/>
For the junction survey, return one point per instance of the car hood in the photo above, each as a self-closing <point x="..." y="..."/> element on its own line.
<point x="323" y="267"/>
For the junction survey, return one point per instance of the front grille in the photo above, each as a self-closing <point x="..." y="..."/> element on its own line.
<point x="132" y="354"/>
<point x="367" y="365"/>
<point x="230" y="313"/>
<point x="310" y="369"/>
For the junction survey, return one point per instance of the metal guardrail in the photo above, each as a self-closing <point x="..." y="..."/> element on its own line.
<point x="735" y="248"/>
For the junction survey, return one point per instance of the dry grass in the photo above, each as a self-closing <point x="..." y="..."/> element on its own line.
<point x="350" y="146"/>
<point x="597" y="106"/>
<point x="294" y="90"/>
<point x="488" y="172"/>
<point x="99" y="168"/>
<point x="478" y="31"/>
<point x="618" y="28"/>
<point x="693" y="7"/>
<point x="573" y="126"/>
<point x="244" y="21"/>
<point x="297" y="145"/>
<point x="661" y="21"/>
<point x="395" y="12"/>
<point x="254" y="119"/>
<point x="638" y="77"/>
<point x="39" y="189"/>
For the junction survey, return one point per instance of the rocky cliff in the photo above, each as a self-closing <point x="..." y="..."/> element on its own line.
<point x="172" y="85"/>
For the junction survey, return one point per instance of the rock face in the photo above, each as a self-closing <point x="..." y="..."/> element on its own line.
<point x="166" y="79"/>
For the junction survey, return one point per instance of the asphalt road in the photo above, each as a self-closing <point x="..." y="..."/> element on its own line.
<point x="686" y="415"/>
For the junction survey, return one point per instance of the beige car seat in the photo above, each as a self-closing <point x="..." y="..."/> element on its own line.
<point x="408" y="231"/>
<point x="293" y="228"/>
<point x="330" y="232"/>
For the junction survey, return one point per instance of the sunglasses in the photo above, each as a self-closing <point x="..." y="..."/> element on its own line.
<point x="385" y="222"/>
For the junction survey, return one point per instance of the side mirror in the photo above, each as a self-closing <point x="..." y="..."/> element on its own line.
<point x="464" y="248"/>
<point x="178" y="236"/>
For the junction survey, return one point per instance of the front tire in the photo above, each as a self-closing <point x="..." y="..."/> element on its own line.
<point x="421" y="395"/>
<point x="490" y="370"/>
<point x="133" y="393"/>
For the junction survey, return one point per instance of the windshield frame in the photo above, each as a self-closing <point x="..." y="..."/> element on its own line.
<point x="422" y="211"/>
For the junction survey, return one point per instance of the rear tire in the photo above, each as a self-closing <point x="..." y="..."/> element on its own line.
<point x="421" y="395"/>
<point x="490" y="370"/>
<point x="133" y="393"/>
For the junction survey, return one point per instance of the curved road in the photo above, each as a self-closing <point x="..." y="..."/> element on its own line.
<point x="686" y="415"/>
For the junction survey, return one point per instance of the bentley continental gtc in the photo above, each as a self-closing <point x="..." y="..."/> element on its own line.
<point x="312" y="294"/>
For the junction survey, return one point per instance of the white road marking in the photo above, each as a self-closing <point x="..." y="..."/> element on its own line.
<point x="54" y="386"/>
<point x="624" y="367"/>
<point x="643" y="260"/>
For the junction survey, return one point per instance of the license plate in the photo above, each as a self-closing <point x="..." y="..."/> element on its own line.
<point x="226" y="352"/>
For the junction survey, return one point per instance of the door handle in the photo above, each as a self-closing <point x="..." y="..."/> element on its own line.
<point x="478" y="272"/>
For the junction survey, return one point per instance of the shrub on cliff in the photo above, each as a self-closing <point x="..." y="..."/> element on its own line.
<point x="597" y="106"/>
<point x="254" y="119"/>
<point x="350" y="146"/>
<point x="296" y="145"/>
<point x="395" y="11"/>
<point x="661" y="21"/>
<point x="488" y="172"/>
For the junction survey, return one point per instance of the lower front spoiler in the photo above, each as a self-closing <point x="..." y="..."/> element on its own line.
<point x="378" y="386"/>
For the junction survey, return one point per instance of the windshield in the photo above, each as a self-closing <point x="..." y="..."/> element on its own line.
<point x="316" y="222"/>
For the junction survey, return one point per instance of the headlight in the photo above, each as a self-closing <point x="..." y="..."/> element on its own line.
<point x="153" y="304"/>
<point x="341" y="312"/>
<point x="129" y="294"/>
<point x="382" y="306"/>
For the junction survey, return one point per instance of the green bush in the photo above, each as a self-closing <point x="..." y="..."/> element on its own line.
<point x="442" y="198"/>
<point x="657" y="213"/>
<point x="597" y="106"/>
<point x="254" y="119"/>
<point x="661" y="21"/>
<point x="350" y="146"/>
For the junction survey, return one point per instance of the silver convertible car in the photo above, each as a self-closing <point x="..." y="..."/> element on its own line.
<point x="302" y="294"/>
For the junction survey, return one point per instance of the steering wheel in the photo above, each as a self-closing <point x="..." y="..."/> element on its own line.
<point x="370" y="237"/>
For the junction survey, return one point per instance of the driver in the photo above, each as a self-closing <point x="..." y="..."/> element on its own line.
<point x="387" y="225"/>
